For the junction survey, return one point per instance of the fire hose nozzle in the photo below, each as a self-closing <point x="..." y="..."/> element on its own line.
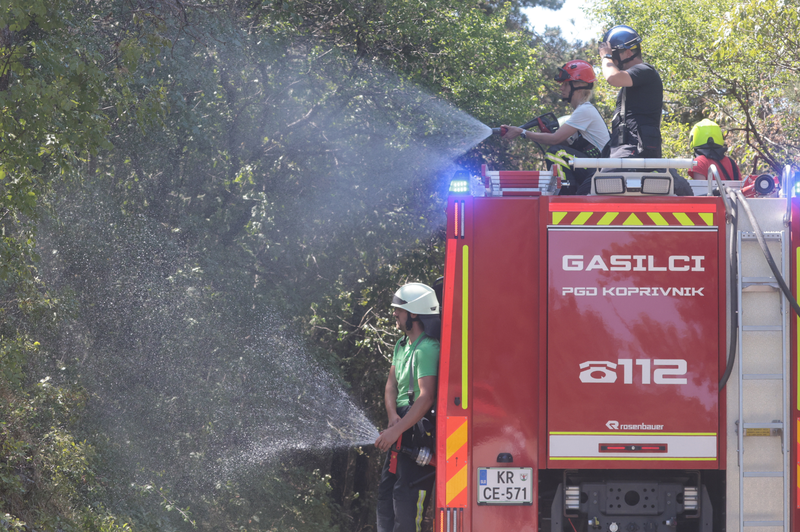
<point x="422" y="455"/>
<point x="499" y="131"/>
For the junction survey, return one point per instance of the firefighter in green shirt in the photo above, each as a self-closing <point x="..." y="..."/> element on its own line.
<point x="410" y="394"/>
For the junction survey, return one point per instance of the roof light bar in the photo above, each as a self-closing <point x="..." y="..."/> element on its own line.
<point x="656" y="185"/>
<point x="609" y="185"/>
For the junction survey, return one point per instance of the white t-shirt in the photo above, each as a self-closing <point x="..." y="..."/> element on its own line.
<point x="586" y="119"/>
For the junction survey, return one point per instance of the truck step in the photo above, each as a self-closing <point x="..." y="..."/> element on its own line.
<point x="762" y="376"/>
<point x="762" y="328"/>
<point x="773" y="425"/>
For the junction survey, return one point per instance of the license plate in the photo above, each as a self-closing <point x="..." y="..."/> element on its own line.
<point x="505" y="485"/>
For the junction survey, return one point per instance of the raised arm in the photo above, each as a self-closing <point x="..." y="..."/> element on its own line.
<point x="614" y="76"/>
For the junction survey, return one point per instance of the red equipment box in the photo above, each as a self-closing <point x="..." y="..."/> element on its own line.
<point x="634" y="299"/>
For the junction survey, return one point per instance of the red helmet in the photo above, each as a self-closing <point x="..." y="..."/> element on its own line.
<point x="577" y="70"/>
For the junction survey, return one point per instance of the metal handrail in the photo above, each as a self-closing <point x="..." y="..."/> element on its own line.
<point x="788" y="188"/>
<point x="712" y="171"/>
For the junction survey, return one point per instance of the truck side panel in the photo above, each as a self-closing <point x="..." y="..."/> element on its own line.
<point x="633" y="334"/>
<point x="794" y="399"/>
<point x="453" y="408"/>
<point x="505" y="354"/>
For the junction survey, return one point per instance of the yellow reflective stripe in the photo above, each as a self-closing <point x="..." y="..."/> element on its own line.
<point x="581" y="218"/>
<point x="457" y="439"/>
<point x="632" y="220"/>
<point x="637" y="433"/>
<point x="465" y="327"/>
<point x="593" y="459"/>
<point x="708" y="217"/>
<point x="420" y="510"/>
<point x="657" y="218"/>
<point x="457" y="483"/>
<point x="556" y="159"/>
<point x="607" y="218"/>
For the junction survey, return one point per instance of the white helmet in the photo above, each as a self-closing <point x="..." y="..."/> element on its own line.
<point x="416" y="298"/>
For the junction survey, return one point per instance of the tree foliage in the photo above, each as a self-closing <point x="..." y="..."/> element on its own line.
<point x="735" y="62"/>
<point x="206" y="209"/>
<point x="226" y="194"/>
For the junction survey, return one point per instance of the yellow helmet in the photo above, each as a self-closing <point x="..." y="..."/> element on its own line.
<point x="706" y="134"/>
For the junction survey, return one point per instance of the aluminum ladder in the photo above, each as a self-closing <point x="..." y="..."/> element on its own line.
<point x="761" y="434"/>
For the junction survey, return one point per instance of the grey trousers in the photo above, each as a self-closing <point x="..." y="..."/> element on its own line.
<point x="400" y="506"/>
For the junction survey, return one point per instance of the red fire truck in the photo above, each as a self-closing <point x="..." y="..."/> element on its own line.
<point x="619" y="362"/>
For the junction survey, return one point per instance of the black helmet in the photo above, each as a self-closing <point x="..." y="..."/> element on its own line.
<point x="622" y="37"/>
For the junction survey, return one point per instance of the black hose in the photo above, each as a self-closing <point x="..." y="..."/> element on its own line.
<point x="532" y="123"/>
<point x="763" y="243"/>
<point x="734" y="275"/>
<point x="526" y="125"/>
<point x="421" y="480"/>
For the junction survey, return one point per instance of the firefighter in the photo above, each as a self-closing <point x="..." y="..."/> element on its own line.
<point x="709" y="148"/>
<point x="636" y="125"/>
<point x="405" y="487"/>
<point x="584" y="134"/>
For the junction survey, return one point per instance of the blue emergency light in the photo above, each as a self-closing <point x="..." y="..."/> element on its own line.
<point x="460" y="183"/>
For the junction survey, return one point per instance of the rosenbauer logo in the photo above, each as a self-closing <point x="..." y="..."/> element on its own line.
<point x="615" y="425"/>
<point x="644" y="370"/>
